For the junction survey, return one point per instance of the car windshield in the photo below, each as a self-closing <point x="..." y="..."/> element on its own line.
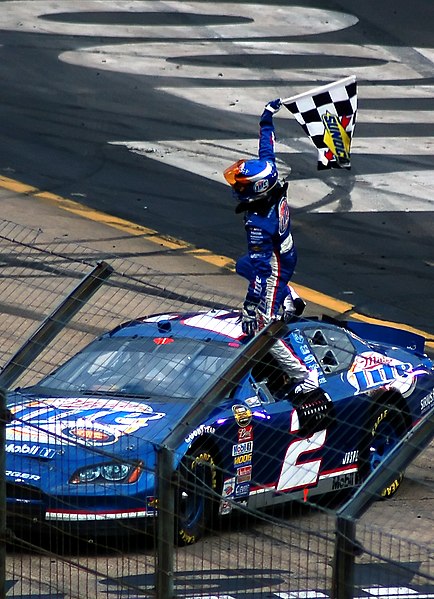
<point x="144" y="367"/>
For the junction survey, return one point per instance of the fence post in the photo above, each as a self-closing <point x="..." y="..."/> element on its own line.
<point x="198" y="410"/>
<point x="346" y="546"/>
<point x="165" y="524"/>
<point x="5" y="417"/>
<point x="408" y="448"/>
<point x="54" y="323"/>
<point x="343" y="562"/>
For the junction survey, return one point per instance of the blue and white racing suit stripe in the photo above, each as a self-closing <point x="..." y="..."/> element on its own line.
<point x="272" y="256"/>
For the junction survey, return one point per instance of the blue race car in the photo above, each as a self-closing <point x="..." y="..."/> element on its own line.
<point x="81" y="448"/>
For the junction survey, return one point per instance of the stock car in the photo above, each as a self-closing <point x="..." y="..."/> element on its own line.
<point x="82" y="444"/>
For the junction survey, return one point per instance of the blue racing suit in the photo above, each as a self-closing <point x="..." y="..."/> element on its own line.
<point x="272" y="256"/>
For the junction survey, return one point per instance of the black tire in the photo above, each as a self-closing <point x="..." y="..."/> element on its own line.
<point x="196" y="495"/>
<point x="386" y="428"/>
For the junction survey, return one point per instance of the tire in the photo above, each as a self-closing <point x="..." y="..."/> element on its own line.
<point x="386" y="428"/>
<point x="196" y="496"/>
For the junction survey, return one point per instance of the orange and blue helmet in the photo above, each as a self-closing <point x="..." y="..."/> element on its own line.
<point x="251" y="180"/>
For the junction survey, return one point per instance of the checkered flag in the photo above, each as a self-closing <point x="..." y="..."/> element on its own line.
<point x="328" y="116"/>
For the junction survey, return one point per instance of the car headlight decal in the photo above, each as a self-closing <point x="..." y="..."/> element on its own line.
<point x="115" y="472"/>
<point x="111" y="472"/>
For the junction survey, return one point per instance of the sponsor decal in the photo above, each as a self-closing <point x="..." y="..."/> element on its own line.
<point x="298" y="337"/>
<point x="304" y="349"/>
<point x="242" y="415"/>
<point x="253" y="402"/>
<point x="228" y="487"/>
<point x="225" y="508"/>
<point x="245" y="434"/>
<point x="244" y="474"/>
<point x="283" y="216"/>
<point x="344" y="481"/>
<point x="92" y="436"/>
<point x="350" y="457"/>
<point x="242" y="448"/>
<point x="151" y="503"/>
<point x="371" y="370"/>
<point x="261" y="185"/>
<point x="25" y="476"/>
<point x="89" y="421"/>
<point x="255" y="233"/>
<point x="335" y="137"/>
<point x="243" y="459"/>
<point x="242" y="490"/>
<point x="426" y="401"/>
<point x="35" y="451"/>
<point x="198" y="432"/>
<point x="298" y="341"/>
<point x="79" y="404"/>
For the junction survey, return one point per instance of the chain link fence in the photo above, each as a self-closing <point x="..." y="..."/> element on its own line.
<point x="103" y="540"/>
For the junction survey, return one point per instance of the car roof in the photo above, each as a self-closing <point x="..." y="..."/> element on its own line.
<point x="212" y="325"/>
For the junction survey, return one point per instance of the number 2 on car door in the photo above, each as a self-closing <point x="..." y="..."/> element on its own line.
<point x="294" y="474"/>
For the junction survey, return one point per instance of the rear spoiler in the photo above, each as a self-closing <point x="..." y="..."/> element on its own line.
<point x="382" y="334"/>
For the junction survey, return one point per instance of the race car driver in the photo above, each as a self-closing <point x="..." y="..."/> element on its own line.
<point x="272" y="256"/>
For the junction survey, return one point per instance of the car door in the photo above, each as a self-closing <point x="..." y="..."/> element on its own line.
<point x="309" y="444"/>
<point x="334" y="350"/>
<point x="288" y="452"/>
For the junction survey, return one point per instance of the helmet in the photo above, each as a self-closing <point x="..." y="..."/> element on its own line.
<point x="251" y="180"/>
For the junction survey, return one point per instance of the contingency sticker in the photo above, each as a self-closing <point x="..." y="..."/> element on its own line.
<point x="245" y="433"/>
<point x="242" y="415"/>
<point x="242" y="448"/>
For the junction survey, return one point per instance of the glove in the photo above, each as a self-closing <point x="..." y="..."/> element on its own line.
<point x="288" y="309"/>
<point x="299" y="306"/>
<point x="274" y="105"/>
<point x="293" y="305"/>
<point x="310" y="383"/>
<point x="249" y="321"/>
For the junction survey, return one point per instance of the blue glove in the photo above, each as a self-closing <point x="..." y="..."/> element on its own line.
<point x="249" y="321"/>
<point x="274" y="105"/>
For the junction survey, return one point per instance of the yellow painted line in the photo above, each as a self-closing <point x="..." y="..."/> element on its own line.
<point x="316" y="297"/>
<point x="16" y="186"/>
<point x="170" y="243"/>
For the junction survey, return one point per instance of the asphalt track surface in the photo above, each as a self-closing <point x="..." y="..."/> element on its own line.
<point x="136" y="112"/>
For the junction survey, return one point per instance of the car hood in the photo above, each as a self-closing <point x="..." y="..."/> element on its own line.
<point x="41" y="422"/>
